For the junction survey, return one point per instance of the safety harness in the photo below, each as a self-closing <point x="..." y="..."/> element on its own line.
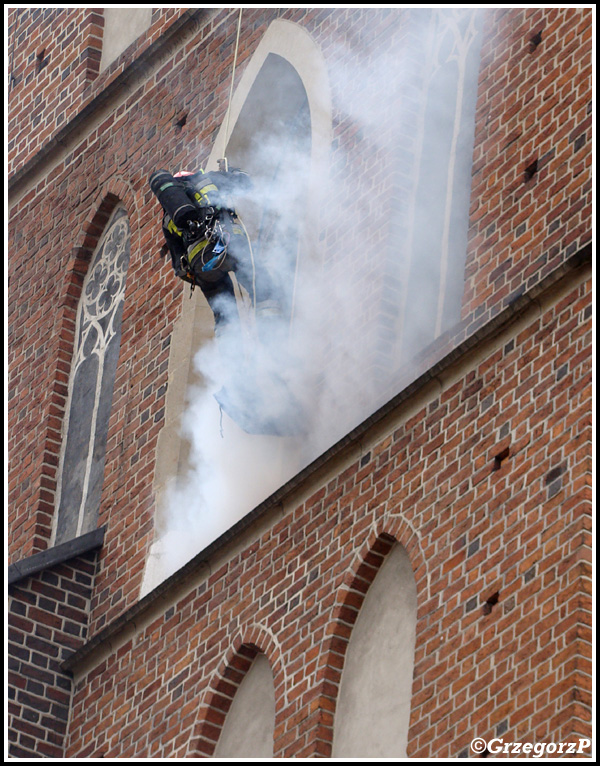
<point x="211" y="250"/>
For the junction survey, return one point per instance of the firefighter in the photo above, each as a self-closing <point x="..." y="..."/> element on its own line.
<point x="206" y="239"/>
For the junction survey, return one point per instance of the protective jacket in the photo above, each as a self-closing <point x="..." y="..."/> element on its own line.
<point x="200" y="225"/>
<point x="207" y="241"/>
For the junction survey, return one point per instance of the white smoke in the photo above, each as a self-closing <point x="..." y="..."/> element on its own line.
<point x="310" y="372"/>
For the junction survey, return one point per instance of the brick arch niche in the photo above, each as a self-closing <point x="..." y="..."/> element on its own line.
<point x="249" y="726"/>
<point x="369" y="663"/>
<point x="238" y="717"/>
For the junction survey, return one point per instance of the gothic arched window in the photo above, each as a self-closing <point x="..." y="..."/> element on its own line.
<point x="444" y="161"/>
<point x="272" y="142"/>
<point x="93" y="368"/>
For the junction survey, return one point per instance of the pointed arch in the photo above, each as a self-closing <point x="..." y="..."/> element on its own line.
<point x="118" y="191"/>
<point x="438" y="235"/>
<point x="284" y="86"/>
<point x="90" y="326"/>
<point x="391" y="556"/>
<point x="248" y="645"/>
<point x="249" y="726"/>
<point x="293" y="44"/>
<point x="271" y="141"/>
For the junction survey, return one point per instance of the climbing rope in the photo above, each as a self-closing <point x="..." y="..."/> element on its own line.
<point x="225" y="163"/>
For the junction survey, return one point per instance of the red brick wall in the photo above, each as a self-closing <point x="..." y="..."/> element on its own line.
<point x="474" y="526"/>
<point x="518" y="531"/>
<point x="534" y="105"/>
<point x="54" y="57"/>
<point x="47" y="619"/>
<point x="127" y="146"/>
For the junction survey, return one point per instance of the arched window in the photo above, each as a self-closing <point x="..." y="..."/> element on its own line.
<point x="373" y="705"/>
<point x="272" y="142"/>
<point x="281" y="102"/>
<point x="250" y="723"/>
<point x="93" y="368"/>
<point x="444" y="160"/>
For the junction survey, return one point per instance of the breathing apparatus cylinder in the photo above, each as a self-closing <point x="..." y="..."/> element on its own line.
<point x="172" y="195"/>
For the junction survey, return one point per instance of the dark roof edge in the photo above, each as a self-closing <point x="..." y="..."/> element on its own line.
<point x="506" y="317"/>
<point x="58" y="554"/>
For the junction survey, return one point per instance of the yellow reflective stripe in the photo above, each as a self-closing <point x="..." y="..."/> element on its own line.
<point x="196" y="249"/>
<point x="172" y="228"/>
<point x="202" y="194"/>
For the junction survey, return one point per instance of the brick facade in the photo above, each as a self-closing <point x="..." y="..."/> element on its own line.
<point x="48" y="612"/>
<point x="478" y="464"/>
<point x="534" y="111"/>
<point x="54" y="71"/>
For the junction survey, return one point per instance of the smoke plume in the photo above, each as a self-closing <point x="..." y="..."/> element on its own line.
<point x="303" y="379"/>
